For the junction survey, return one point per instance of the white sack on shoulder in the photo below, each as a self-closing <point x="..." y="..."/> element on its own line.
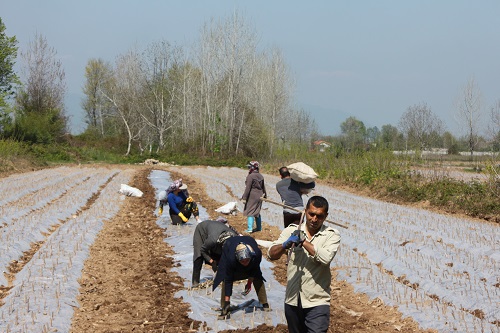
<point x="227" y="208"/>
<point x="302" y="173"/>
<point x="130" y="191"/>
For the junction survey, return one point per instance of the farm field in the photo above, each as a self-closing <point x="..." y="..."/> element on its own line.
<point x="80" y="257"/>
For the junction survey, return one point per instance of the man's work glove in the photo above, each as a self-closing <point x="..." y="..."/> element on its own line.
<point x="184" y="219"/>
<point x="248" y="288"/>
<point x="160" y="210"/>
<point x="301" y="235"/>
<point x="293" y="239"/>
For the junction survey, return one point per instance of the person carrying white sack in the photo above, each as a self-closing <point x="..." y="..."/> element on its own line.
<point x="291" y="191"/>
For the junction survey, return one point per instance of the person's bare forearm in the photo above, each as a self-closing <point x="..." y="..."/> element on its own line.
<point x="276" y="251"/>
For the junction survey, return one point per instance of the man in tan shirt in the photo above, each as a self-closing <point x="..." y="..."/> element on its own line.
<point x="307" y="299"/>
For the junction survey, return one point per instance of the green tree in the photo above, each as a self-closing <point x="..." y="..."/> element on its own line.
<point x="373" y="135"/>
<point x="8" y="78"/>
<point x="450" y="143"/>
<point x="354" y="132"/>
<point x="389" y="136"/>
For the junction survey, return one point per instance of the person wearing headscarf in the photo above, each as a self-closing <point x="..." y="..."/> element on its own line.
<point x="181" y="204"/>
<point x="240" y="259"/>
<point x="254" y="190"/>
<point x="208" y="238"/>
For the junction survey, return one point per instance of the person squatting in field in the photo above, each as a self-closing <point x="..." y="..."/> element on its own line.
<point x="240" y="259"/>
<point x="208" y="238"/>
<point x="307" y="296"/>
<point x="291" y="193"/>
<point x="254" y="190"/>
<point x="181" y="204"/>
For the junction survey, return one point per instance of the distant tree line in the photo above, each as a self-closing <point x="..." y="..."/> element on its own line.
<point x="220" y="97"/>
<point x="223" y="96"/>
<point x="420" y="129"/>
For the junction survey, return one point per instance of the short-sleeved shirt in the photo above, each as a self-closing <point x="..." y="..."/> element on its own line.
<point x="310" y="275"/>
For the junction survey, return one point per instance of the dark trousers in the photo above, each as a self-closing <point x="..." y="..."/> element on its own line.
<point x="310" y="320"/>
<point x="289" y="218"/>
<point x="176" y="219"/>
<point x="197" y="265"/>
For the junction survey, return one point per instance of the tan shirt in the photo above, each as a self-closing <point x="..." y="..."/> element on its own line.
<point x="310" y="275"/>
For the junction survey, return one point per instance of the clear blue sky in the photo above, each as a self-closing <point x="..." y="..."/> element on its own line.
<point x="367" y="59"/>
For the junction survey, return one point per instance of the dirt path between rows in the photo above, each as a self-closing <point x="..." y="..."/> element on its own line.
<point x="128" y="284"/>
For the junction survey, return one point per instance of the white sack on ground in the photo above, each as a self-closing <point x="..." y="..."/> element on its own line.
<point x="130" y="191"/>
<point x="229" y="208"/>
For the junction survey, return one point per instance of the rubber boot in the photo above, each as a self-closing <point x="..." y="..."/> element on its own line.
<point x="250" y="220"/>
<point x="258" y="221"/>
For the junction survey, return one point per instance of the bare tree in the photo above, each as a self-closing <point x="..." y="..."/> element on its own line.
<point x="40" y="101"/>
<point x="225" y="56"/>
<point x="494" y="125"/>
<point x="420" y="126"/>
<point x="275" y="88"/>
<point x="469" y="113"/>
<point x="124" y="92"/>
<point x="160" y="91"/>
<point x="45" y="78"/>
<point x="96" y="106"/>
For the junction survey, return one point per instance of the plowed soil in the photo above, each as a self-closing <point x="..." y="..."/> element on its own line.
<point x="128" y="284"/>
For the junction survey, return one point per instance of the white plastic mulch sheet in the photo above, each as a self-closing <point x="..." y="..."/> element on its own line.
<point x="443" y="271"/>
<point x="33" y="205"/>
<point x="204" y="301"/>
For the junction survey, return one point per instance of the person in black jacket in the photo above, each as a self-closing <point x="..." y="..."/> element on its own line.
<point x="240" y="260"/>
<point x="208" y="238"/>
